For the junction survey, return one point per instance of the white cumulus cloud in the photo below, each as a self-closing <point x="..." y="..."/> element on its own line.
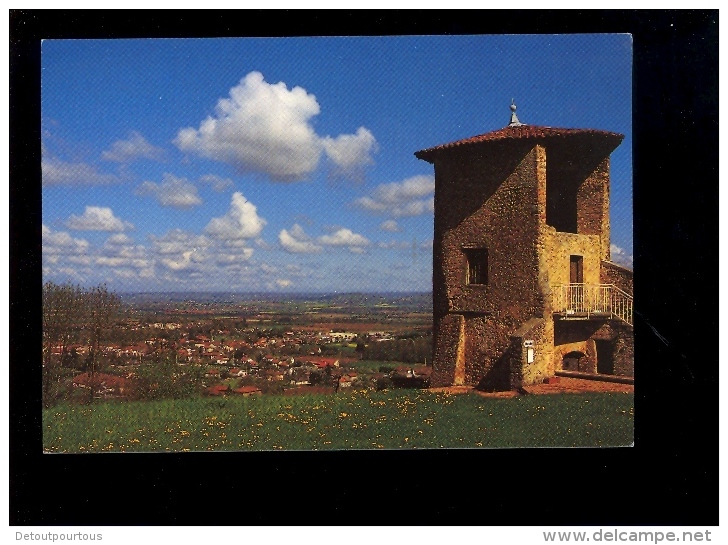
<point x="180" y="262"/>
<point x="97" y="218"/>
<point x="390" y="226"/>
<point x="395" y="245"/>
<point x="350" y="153"/>
<point x="266" y="128"/>
<point x="217" y="183"/>
<point x="410" y="197"/>
<point x="60" y="242"/>
<point x="174" y="192"/>
<point x="351" y="150"/>
<point x="241" y="221"/>
<point x="344" y="237"/>
<point x="120" y="251"/>
<point x="58" y="172"/>
<point x="621" y="256"/>
<point x="119" y="239"/>
<point x="179" y="251"/>
<point x="297" y="241"/>
<point x="136" y="147"/>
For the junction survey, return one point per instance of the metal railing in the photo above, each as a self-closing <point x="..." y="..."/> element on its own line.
<point x="593" y="300"/>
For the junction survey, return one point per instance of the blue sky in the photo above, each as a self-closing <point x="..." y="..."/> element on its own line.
<point x="287" y="165"/>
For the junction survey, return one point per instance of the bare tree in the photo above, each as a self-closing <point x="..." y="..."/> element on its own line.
<point x="102" y="309"/>
<point x="62" y="312"/>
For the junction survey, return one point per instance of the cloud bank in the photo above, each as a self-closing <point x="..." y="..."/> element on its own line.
<point x="173" y="192"/>
<point x="217" y="183"/>
<point x="136" y="147"/>
<point x="297" y="241"/>
<point x="410" y="197"/>
<point x="58" y="172"/>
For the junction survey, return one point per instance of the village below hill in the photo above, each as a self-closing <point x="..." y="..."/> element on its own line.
<point x="180" y="345"/>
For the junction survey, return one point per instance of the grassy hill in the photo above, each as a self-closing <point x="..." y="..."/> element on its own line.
<point x="393" y="419"/>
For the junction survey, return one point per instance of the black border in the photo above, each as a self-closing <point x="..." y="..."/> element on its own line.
<point x="669" y="477"/>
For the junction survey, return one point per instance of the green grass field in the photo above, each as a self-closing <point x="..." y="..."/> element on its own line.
<point x="393" y="419"/>
<point x="372" y="366"/>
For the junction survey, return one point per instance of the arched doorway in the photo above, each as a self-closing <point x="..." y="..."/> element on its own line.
<point x="571" y="361"/>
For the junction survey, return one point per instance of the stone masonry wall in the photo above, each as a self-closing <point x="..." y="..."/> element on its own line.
<point x="577" y="336"/>
<point x="448" y="349"/>
<point x="611" y="273"/>
<point x="624" y="352"/>
<point x="540" y="331"/>
<point x="580" y="336"/>
<point x="592" y="205"/>
<point x="489" y="201"/>
<point x="560" y="246"/>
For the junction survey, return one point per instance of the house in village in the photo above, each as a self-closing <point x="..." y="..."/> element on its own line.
<point x="246" y="391"/>
<point x="523" y="283"/>
<point x="103" y="384"/>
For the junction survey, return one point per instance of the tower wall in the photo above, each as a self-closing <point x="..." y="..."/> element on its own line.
<point x="524" y="200"/>
<point x="592" y="205"/>
<point x="491" y="201"/>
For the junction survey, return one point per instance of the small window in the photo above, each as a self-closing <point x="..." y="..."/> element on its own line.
<point x="477" y="272"/>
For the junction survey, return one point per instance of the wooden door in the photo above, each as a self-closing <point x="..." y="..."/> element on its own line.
<point x="576" y="270"/>
<point x="576" y="281"/>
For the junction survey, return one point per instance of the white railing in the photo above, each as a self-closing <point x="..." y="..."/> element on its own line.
<point x="593" y="300"/>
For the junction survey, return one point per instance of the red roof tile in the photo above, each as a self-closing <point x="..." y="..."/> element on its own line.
<point x="321" y="362"/>
<point x="247" y="390"/>
<point x="101" y="379"/>
<point x="217" y="389"/>
<point x="523" y="132"/>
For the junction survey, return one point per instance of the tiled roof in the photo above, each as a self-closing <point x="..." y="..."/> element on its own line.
<point x="217" y="389"/>
<point x="110" y="381"/>
<point x="522" y="132"/>
<point x="247" y="390"/>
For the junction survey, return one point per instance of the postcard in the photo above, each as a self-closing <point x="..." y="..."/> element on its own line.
<point x="400" y="242"/>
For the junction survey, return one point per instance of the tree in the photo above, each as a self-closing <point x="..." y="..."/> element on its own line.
<point x="62" y="313"/>
<point x="102" y="308"/>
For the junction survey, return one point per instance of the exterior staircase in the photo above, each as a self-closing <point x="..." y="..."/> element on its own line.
<point x="592" y="301"/>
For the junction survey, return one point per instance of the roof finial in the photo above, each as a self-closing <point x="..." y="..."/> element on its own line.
<point x="514" y="118"/>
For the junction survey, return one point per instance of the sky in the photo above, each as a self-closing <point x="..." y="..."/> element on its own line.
<point x="287" y="164"/>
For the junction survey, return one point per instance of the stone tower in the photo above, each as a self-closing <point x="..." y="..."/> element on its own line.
<point x="523" y="285"/>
